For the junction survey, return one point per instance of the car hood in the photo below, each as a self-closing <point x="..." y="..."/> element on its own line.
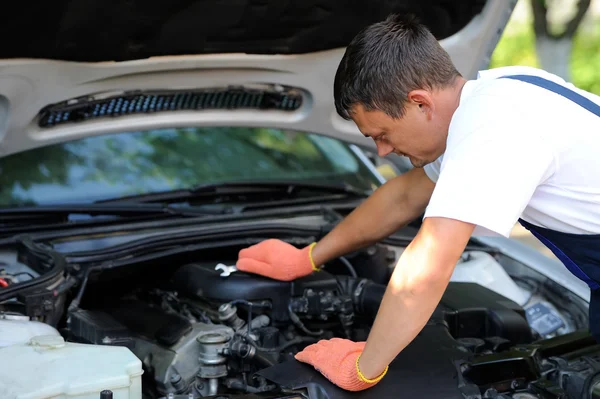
<point x="93" y="67"/>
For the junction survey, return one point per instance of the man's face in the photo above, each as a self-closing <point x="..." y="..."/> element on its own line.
<point x="418" y="135"/>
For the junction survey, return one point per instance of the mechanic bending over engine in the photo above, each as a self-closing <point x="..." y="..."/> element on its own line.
<point x="516" y="144"/>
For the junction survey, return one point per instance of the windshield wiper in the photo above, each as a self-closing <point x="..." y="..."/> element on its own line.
<point x="69" y="212"/>
<point x="285" y="188"/>
<point x="290" y="186"/>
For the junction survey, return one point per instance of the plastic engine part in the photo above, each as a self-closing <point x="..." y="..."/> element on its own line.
<point x="98" y="328"/>
<point x="204" y="281"/>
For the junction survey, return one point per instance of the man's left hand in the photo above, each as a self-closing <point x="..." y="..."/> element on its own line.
<point x="337" y="360"/>
<point x="415" y="288"/>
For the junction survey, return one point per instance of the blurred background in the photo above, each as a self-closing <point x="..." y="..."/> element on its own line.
<point x="560" y="36"/>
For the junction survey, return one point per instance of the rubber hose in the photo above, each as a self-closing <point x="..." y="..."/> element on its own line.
<point x="349" y="266"/>
<point x="588" y="391"/>
<point x="366" y="295"/>
<point x="263" y="359"/>
<point x="371" y="298"/>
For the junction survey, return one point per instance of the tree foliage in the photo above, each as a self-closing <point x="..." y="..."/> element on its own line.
<point x="517" y="46"/>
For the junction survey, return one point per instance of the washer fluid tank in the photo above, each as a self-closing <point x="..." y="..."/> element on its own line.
<point x="481" y="268"/>
<point x="48" y="367"/>
<point x="20" y="330"/>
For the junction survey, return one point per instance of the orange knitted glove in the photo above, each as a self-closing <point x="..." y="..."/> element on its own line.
<point x="276" y="259"/>
<point x="337" y="360"/>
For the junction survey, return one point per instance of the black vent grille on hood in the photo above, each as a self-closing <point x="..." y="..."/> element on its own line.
<point x="85" y="109"/>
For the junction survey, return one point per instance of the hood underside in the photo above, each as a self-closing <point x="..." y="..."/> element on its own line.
<point x="91" y="53"/>
<point x="116" y="30"/>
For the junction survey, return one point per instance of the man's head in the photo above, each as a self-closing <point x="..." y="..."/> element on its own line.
<point x="400" y="87"/>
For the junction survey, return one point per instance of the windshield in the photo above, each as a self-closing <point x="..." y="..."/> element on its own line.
<point x="112" y="166"/>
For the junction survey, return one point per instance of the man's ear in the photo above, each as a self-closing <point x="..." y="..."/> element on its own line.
<point x="423" y="100"/>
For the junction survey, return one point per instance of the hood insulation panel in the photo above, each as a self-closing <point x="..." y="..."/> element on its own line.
<point x="122" y="30"/>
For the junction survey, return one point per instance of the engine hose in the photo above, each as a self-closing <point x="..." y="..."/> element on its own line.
<point x="295" y="341"/>
<point x="366" y="295"/>
<point x="264" y="360"/>
<point x="250" y="351"/>
<point x="349" y="266"/>
<point x="242" y="386"/>
<point x="589" y="386"/>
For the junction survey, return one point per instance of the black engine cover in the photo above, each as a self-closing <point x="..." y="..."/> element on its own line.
<point x="204" y="281"/>
<point x="469" y="320"/>
<point x="426" y="368"/>
<point x="431" y="366"/>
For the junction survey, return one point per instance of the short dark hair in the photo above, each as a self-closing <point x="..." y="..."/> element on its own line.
<point x="386" y="61"/>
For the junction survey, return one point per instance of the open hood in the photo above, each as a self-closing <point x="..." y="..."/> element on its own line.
<point x="92" y="67"/>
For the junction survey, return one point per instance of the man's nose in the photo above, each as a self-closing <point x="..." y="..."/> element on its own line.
<point x="384" y="149"/>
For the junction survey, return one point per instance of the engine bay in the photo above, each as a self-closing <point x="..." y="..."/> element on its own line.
<point x="202" y="329"/>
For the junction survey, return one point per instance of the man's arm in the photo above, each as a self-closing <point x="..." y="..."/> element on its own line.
<point x="416" y="287"/>
<point x="393" y="205"/>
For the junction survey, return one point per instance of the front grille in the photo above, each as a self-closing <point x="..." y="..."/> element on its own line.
<point x="79" y="110"/>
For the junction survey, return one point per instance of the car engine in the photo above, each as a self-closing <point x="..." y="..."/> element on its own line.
<point x="211" y="327"/>
<point x="210" y="330"/>
<point x="203" y="329"/>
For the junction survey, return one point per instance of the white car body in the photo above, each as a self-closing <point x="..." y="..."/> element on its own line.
<point x="30" y="84"/>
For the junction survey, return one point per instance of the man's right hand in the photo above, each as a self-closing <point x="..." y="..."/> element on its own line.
<point x="276" y="259"/>
<point x="391" y="206"/>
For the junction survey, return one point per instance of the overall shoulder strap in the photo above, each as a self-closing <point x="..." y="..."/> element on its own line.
<point x="558" y="89"/>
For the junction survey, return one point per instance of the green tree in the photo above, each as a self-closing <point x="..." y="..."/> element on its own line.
<point x="554" y="41"/>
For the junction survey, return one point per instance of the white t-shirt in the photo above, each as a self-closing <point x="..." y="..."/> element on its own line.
<point x="517" y="150"/>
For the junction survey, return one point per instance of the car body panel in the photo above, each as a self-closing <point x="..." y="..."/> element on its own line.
<point x="27" y="85"/>
<point x="550" y="267"/>
<point x="32" y="79"/>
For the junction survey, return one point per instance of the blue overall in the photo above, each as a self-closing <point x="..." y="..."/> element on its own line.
<point x="580" y="253"/>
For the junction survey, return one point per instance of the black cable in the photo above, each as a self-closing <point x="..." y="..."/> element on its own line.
<point x="296" y="341"/>
<point x="532" y="285"/>
<point x="248" y="303"/>
<point x="75" y="303"/>
<point x="349" y="266"/>
<point x="21" y="273"/>
<point x="296" y="320"/>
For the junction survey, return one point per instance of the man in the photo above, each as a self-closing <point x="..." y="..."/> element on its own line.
<point x="487" y="152"/>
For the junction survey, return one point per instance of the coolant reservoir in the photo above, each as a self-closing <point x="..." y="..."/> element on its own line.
<point x="482" y="268"/>
<point x="48" y="367"/>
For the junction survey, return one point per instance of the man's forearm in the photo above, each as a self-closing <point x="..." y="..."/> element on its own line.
<point x="391" y="206"/>
<point x="416" y="287"/>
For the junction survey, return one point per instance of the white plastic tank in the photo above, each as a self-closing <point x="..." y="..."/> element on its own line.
<point x="483" y="269"/>
<point x="48" y="367"/>
<point x="20" y="330"/>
